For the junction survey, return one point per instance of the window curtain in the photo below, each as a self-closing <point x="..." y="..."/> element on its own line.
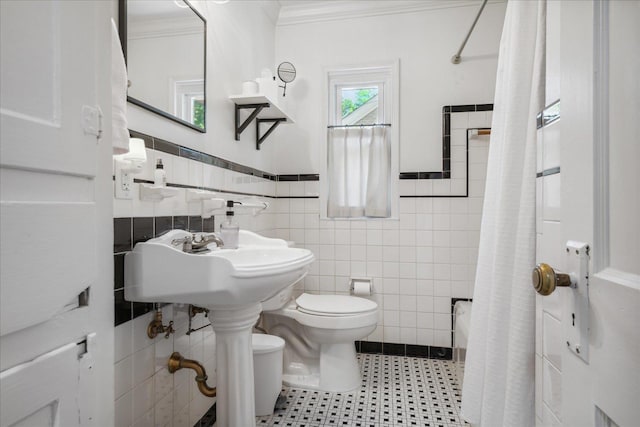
<point x="359" y="164"/>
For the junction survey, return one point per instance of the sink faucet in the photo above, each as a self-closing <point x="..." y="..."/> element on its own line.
<point x="205" y="239"/>
<point x="191" y="244"/>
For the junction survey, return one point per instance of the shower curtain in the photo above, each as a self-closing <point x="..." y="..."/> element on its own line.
<point x="499" y="369"/>
<point x="358" y="167"/>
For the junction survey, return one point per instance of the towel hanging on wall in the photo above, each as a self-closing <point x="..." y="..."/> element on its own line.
<point x="119" y="126"/>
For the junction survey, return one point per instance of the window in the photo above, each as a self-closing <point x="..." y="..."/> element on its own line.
<point x="362" y="143"/>
<point x="189" y="101"/>
<point x="359" y="105"/>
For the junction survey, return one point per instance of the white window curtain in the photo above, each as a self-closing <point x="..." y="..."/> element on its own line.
<point x="359" y="166"/>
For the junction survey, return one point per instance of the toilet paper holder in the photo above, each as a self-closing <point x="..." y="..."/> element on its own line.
<point x="361" y="286"/>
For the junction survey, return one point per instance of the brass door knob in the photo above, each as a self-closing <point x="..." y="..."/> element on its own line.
<point x="545" y="279"/>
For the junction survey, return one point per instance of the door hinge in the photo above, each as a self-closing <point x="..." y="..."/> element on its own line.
<point x="92" y="120"/>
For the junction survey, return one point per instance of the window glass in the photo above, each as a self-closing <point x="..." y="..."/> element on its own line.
<point x="358" y="105"/>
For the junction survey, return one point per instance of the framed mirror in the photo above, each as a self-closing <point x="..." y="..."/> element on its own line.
<point x="164" y="44"/>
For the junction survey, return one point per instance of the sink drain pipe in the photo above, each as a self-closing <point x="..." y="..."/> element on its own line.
<point x="177" y="362"/>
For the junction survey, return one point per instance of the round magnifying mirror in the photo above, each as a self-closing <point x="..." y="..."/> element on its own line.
<point x="286" y="73"/>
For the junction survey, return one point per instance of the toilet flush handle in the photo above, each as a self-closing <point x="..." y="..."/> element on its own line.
<point x="545" y="279"/>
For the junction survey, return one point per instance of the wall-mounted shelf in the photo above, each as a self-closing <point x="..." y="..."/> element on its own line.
<point x="156" y="194"/>
<point x="264" y="111"/>
<point x="194" y="195"/>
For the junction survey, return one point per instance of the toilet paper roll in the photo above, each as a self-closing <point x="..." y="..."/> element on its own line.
<point x="361" y="287"/>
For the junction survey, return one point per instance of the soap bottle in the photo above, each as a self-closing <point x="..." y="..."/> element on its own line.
<point x="159" y="175"/>
<point x="229" y="231"/>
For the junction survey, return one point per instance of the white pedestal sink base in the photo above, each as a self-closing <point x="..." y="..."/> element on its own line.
<point x="234" y="361"/>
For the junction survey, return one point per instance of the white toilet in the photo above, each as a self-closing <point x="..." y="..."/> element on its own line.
<point x="319" y="332"/>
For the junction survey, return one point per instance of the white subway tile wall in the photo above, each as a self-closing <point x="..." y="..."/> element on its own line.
<point x="549" y="244"/>
<point x="146" y="393"/>
<point x="418" y="262"/>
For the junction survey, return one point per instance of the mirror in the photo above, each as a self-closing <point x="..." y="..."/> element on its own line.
<point x="164" y="44"/>
<point x="286" y="73"/>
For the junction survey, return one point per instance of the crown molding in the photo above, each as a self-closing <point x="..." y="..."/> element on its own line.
<point x="164" y="27"/>
<point x="292" y="13"/>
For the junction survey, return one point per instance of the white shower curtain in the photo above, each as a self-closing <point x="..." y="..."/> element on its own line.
<point x="499" y="369"/>
<point x="358" y="167"/>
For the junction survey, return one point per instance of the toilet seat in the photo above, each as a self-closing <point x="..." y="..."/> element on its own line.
<point x="347" y="313"/>
<point x="334" y="305"/>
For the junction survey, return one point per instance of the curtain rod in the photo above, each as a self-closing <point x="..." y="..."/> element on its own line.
<point x="455" y="59"/>
<point x="358" y="126"/>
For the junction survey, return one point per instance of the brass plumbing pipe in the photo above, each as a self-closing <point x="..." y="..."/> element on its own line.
<point x="177" y="362"/>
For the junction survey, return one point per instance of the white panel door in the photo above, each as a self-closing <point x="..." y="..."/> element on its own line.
<point x="22" y="406"/>
<point x="48" y="143"/>
<point x="597" y="200"/>
<point x="53" y="71"/>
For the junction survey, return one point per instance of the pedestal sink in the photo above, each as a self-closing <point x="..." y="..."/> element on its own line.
<point x="231" y="283"/>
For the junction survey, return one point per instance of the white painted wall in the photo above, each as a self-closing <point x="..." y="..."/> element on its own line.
<point x="423" y="41"/>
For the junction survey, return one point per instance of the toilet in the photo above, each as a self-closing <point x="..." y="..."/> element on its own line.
<point x="319" y="333"/>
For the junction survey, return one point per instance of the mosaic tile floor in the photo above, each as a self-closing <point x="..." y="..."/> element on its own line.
<point x="396" y="391"/>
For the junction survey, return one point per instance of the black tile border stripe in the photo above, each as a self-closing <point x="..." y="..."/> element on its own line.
<point x="466" y="192"/>
<point x="128" y="231"/>
<point x="168" y="147"/>
<point x="410" y="350"/>
<point x="447" y="110"/>
<point x="547" y="172"/>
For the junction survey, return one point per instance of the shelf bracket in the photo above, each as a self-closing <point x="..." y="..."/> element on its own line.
<point x="256" y="110"/>
<point x="260" y="139"/>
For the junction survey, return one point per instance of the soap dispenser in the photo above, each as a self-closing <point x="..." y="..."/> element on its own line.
<point x="159" y="175"/>
<point x="229" y="230"/>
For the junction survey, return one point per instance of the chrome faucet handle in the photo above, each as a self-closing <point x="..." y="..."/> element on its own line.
<point x="206" y="238"/>
<point x="182" y="240"/>
<point x="186" y="242"/>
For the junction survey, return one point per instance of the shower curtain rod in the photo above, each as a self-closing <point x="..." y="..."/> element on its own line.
<point x="456" y="59"/>
<point x="358" y="126"/>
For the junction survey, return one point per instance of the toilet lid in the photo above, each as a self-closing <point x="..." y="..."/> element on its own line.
<point x="334" y="305"/>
